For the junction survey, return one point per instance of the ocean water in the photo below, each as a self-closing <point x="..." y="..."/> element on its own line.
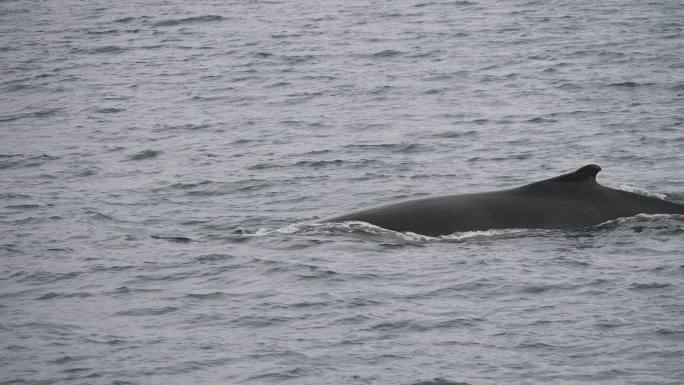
<point x="163" y="164"/>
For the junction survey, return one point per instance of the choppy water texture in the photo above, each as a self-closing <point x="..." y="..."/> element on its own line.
<point x="161" y="164"/>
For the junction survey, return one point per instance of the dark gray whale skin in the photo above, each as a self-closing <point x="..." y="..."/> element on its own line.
<point x="570" y="201"/>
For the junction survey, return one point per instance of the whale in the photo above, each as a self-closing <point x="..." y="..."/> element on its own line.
<point x="570" y="201"/>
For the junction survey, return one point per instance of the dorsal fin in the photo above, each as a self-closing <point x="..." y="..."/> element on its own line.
<point x="584" y="174"/>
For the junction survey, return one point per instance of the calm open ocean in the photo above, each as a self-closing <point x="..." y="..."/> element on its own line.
<point x="162" y="164"/>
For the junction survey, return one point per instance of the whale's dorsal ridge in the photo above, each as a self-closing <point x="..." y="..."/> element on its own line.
<point x="583" y="174"/>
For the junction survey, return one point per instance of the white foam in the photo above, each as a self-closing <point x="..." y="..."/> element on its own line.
<point x="639" y="190"/>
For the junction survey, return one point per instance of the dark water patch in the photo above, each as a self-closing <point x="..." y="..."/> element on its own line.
<point x="145" y="278"/>
<point x="389" y="147"/>
<point x="629" y="85"/>
<point x="86" y="172"/>
<point x="114" y="268"/>
<point x="479" y="122"/>
<point x="388" y="53"/>
<point x="206" y="296"/>
<point x="439" y="381"/>
<point x="103" y="32"/>
<point x="540" y="119"/>
<point x="536" y="289"/>
<point x="649" y="286"/>
<point x="455" y="290"/>
<point x="361" y="302"/>
<point x="279" y="377"/>
<point x="171" y="238"/>
<point x="185" y="127"/>
<point x="279" y="84"/>
<point x="189" y="20"/>
<point x="145" y="154"/>
<point x="52" y="295"/>
<point x="134" y="290"/>
<point x="23" y="207"/>
<point x="43" y="277"/>
<point x="455" y="134"/>
<point x="147" y="311"/>
<point x="96" y="215"/>
<point x="670" y="333"/>
<point x="182" y="186"/>
<point x="107" y="49"/>
<point x="225" y="188"/>
<point x="285" y="35"/>
<point x="259" y="321"/>
<point x="16" y="348"/>
<point x="241" y="142"/>
<point x="316" y="164"/>
<point x="109" y="110"/>
<point x="399" y="326"/>
<point x="214" y="258"/>
<point x="264" y="166"/>
<point x="297" y="59"/>
<point x="316" y="272"/>
<point x="125" y="19"/>
<point x="36" y="114"/>
<point x="535" y="346"/>
<point x="13" y="195"/>
<point x="570" y="87"/>
<point x="301" y="97"/>
<point x="436" y="91"/>
<point x="66" y="360"/>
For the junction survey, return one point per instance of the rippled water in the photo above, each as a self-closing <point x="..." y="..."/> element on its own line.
<point x="161" y="164"/>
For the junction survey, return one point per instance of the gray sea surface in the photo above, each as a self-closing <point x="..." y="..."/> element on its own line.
<point x="163" y="165"/>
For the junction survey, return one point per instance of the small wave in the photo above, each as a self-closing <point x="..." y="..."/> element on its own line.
<point x="109" y="110"/>
<point x="147" y="311"/>
<point x="171" y="238"/>
<point x="364" y="228"/>
<point x="439" y="381"/>
<point x="319" y="163"/>
<point x="52" y="295"/>
<point x="145" y="154"/>
<point x="455" y="134"/>
<point x="100" y="216"/>
<point x="388" y="53"/>
<point x="539" y="119"/>
<point x="43" y="277"/>
<point x="391" y="147"/>
<point x="189" y="20"/>
<point x="642" y="191"/>
<point x="225" y="188"/>
<point x="214" y="257"/>
<point x="206" y="296"/>
<point x="629" y="84"/>
<point x="182" y="186"/>
<point x="105" y="49"/>
<point x="184" y="127"/>
<point x="36" y="114"/>
<point x="22" y="207"/>
<point x="456" y="3"/>
<point x="124" y="19"/>
<point x="649" y="286"/>
<point x="86" y="172"/>
<point x="326" y="229"/>
<point x="103" y="32"/>
<point x="636" y="219"/>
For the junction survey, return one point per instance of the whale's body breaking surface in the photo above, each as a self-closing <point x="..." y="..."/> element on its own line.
<point x="570" y="201"/>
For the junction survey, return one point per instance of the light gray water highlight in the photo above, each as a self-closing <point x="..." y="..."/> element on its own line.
<point x="157" y="161"/>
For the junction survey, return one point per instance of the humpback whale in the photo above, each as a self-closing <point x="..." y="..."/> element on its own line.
<point x="570" y="201"/>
